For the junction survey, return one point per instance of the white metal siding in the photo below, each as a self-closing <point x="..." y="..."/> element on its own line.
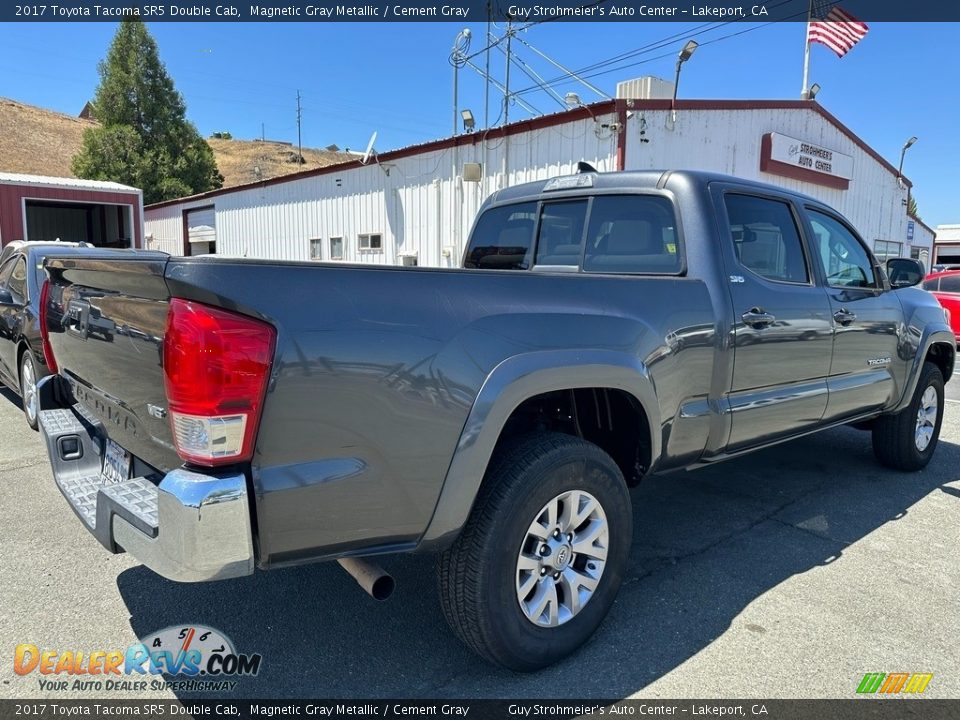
<point x="422" y="207"/>
<point x="728" y="141"/>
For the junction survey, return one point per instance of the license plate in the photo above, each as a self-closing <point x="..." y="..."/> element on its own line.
<point x="116" y="464"/>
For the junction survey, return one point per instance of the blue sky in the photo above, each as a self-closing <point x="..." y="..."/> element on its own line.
<point x="395" y="78"/>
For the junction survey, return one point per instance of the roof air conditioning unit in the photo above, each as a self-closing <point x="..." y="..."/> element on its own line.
<point x="647" y="87"/>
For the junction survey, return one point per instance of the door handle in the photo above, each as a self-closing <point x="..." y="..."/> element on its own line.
<point x="758" y="318"/>
<point x="844" y="316"/>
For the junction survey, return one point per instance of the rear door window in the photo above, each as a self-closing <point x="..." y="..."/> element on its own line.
<point x="503" y="238"/>
<point x="931" y="284"/>
<point x="632" y="234"/>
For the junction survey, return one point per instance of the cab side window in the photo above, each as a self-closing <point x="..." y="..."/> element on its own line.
<point x="766" y="239"/>
<point x="846" y="261"/>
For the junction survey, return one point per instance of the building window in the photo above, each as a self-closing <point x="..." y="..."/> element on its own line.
<point x="884" y="249"/>
<point x="316" y="249"/>
<point x="336" y="248"/>
<point x="372" y="242"/>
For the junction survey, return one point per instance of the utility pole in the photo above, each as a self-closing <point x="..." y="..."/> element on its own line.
<point x="299" y="142"/>
<point x="486" y="78"/>
<point x="263" y="132"/>
<point x="506" y="79"/>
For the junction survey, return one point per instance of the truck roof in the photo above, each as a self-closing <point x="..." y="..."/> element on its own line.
<point x="626" y="180"/>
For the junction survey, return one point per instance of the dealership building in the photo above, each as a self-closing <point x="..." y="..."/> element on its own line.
<point x="415" y="205"/>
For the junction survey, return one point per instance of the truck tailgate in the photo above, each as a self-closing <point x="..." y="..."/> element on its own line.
<point x="106" y="318"/>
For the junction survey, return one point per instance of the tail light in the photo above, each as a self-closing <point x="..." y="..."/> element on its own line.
<point x="216" y="365"/>
<point x="44" y="331"/>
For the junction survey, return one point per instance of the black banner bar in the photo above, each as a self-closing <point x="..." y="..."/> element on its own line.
<point x="872" y="708"/>
<point x="463" y="11"/>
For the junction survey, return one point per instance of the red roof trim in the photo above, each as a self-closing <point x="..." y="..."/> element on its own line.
<point x="545" y="121"/>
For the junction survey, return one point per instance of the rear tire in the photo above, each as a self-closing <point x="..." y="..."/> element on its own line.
<point x="906" y="440"/>
<point x="513" y="587"/>
<point x="28" y="388"/>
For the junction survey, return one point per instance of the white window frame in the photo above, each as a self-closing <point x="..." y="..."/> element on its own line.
<point x="363" y="242"/>
<point x="340" y="256"/>
<point x="316" y="243"/>
<point x="884" y="255"/>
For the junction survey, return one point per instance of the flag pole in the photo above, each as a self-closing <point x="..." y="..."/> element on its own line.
<point x="805" y="91"/>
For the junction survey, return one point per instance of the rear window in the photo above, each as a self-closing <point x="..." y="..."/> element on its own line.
<point x="632" y="234"/>
<point x="503" y="238"/>
<point x="624" y="234"/>
<point x="560" y="241"/>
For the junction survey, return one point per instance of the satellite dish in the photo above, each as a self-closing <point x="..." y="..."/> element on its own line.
<point x="366" y="155"/>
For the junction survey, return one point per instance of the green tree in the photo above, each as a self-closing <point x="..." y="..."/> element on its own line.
<point x="144" y="138"/>
<point x="912" y="208"/>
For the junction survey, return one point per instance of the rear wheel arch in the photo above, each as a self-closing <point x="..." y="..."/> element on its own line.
<point x="514" y="385"/>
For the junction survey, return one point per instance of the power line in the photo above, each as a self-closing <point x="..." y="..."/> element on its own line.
<point x="695" y="31"/>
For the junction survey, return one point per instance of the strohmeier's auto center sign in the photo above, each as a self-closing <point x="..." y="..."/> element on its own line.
<point x="803" y="160"/>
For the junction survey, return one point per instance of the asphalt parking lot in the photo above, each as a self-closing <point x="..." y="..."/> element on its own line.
<point x="789" y="573"/>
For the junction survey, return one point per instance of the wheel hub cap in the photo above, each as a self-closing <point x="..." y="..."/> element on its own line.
<point x="926" y="419"/>
<point x="561" y="559"/>
<point x="29" y="390"/>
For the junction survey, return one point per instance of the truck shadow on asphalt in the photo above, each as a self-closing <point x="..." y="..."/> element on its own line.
<point x="707" y="544"/>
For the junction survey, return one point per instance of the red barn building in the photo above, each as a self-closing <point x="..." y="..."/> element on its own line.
<point x="105" y="214"/>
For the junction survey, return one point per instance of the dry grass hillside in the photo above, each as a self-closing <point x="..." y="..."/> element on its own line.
<point x="43" y="142"/>
<point x="38" y="141"/>
<point x="246" y="161"/>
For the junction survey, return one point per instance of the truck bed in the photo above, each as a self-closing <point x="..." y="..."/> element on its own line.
<point x="375" y="370"/>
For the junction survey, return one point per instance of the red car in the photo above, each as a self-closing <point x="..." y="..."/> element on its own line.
<point x="945" y="287"/>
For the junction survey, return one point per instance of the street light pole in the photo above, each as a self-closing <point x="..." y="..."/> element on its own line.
<point x="458" y="56"/>
<point x="684" y="55"/>
<point x="903" y="152"/>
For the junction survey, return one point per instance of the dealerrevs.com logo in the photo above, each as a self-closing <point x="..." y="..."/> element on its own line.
<point x="200" y="658"/>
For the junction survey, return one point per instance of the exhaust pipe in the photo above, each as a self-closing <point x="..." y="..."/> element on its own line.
<point x="371" y="577"/>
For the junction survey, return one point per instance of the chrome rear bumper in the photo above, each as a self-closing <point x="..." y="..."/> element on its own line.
<point x="189" y="526"/>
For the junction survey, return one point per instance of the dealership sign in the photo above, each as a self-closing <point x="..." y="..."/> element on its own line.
<point x="803" y="160"/>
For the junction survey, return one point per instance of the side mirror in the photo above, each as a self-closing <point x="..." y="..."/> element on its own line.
<point x="6" y="298"/>
<point x="904" y="272"/>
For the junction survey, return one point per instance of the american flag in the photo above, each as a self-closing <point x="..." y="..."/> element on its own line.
<point x="834" y="27"/>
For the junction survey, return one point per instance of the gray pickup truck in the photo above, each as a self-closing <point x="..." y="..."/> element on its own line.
<point x="213" y="416"/>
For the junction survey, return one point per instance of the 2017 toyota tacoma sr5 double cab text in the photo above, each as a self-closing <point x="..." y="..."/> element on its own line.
<point x="214" y="416"/>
